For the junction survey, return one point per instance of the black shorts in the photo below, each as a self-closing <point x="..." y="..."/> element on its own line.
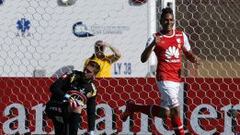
<point x="63" y="120"/>
<point x="57" y="109"/>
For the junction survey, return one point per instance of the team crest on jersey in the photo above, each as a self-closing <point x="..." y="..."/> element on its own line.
<point x="178" y="40"/>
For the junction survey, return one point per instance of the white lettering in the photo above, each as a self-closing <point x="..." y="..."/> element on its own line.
<point x="173" y="61"/>
<point x="161" y="129"/>
<point x="126" y="124"/>
<point x="144" y="125"/>
<point x="196" y="116"/>
<point x="107" y="119"/>
<point x="20" y="119"/>
<point x="229" y="111"/>
<point x="39" y="109"/>
<point x="230" y="115"/>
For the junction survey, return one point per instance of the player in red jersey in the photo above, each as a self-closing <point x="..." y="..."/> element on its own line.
<point x="168" y="45"/>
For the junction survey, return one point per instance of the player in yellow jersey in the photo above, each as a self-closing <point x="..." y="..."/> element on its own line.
<point x="105" y="61"/>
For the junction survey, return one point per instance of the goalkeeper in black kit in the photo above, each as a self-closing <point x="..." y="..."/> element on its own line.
<point x="70" y="94"/>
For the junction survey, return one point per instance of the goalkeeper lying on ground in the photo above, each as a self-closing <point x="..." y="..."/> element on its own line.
<point x="69" y="95"/>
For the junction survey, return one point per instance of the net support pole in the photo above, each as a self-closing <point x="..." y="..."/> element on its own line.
<point x="152" y="13"/>
<point x="152" y="22"/>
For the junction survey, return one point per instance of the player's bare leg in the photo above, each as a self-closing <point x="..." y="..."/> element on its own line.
<point x="176" y="121"/>
<point x="150" y="110"/>
<point x="156" y="111"/>
<point x="128" y="111"/>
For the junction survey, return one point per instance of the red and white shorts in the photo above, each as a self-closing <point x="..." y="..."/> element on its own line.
<point x="169" y="91"/>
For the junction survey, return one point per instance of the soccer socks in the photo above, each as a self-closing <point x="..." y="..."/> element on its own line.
<point x="177" y="125"/>
<point x="154" y="111"/>
<point x="128" y="111"/>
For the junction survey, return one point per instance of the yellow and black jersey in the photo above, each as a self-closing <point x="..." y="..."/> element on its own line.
<point x="75" y="80"/>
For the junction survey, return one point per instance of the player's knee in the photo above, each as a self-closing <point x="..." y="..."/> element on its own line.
<point x="167" y="113"/>
<point x="175" y="111"/>
<point x="164" y="114"/>
<point x="160" y="112"/>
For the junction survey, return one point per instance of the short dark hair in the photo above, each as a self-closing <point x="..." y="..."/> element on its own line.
<point x="99" y="45"/>
<point x="95" y="65"/>
<point x="165" y="11"/>
<point x="98" y="42"/>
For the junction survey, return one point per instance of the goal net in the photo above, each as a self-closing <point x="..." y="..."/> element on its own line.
<point x="41" y="39"/>
<point x="212" y="105"/>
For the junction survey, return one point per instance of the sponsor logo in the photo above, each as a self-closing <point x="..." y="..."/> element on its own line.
<point x="82" y="30"/>
<point x="194" y="121"/>
<point x="1" y="2"/>
<point x="23" y="25"/>
<point x="178" y="40"/>
<point x="66" y="2"/>
<point x="137" y="2"/>
<point x="172" y="53"/>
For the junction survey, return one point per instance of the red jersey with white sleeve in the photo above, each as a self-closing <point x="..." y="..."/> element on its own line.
<point x="168" y="50"/>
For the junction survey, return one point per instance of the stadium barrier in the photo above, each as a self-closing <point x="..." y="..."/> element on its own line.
<point x="211" y="106"/>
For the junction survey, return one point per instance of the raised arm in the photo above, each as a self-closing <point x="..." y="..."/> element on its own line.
<point x="116" y="53"/>
<point x="148" y="50"/>
<point x="57" y="87"/>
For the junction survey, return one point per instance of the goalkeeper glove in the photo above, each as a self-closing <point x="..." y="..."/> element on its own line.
<point x="67" y="96"/>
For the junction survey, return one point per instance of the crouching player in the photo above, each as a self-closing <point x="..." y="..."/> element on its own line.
<point x="69" y="96"/>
